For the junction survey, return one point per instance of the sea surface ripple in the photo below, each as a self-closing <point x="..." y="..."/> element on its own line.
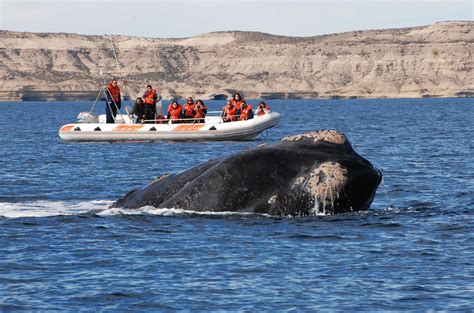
<point x="63" y="249"/>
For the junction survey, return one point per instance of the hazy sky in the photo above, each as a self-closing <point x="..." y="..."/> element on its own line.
<point x="193" y="17"/>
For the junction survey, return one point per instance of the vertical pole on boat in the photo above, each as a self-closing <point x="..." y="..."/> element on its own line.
<point x="122" y="76"/>
<point x="120" y="69"/>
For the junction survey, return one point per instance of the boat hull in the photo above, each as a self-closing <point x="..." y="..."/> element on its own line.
<point x="212" y="130"/>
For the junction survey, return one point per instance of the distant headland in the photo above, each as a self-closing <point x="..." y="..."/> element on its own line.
<point x="425" y="61"/>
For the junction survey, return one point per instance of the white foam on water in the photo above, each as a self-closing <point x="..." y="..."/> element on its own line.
<point x="43" y="208"/>
<point x="168" y="212"/>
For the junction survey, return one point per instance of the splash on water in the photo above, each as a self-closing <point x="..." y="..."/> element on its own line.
<point x="51" y="208"/>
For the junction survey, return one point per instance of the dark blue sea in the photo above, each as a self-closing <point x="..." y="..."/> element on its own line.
<point x="63" y="249"/>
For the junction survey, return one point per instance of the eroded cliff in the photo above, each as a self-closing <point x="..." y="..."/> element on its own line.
<point x="425" y="61"/>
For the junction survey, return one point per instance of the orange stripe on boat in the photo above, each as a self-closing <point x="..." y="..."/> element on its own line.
<point x="66" y="128"/>
<point x="184" y="128"/>
<point x="127" y="128"/>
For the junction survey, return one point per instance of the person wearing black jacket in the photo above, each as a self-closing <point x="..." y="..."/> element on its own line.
<point x="139" y="110"/>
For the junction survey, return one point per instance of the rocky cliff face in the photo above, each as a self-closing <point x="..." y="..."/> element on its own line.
<point x="427" y="61"/>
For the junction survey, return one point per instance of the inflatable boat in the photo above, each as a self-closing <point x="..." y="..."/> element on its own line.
<point x="90" y="127"/>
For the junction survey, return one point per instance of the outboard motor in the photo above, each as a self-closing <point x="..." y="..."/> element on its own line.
<point x="86" y="117"/>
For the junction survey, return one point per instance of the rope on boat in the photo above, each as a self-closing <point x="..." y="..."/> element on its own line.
<point x="96" y="99"/>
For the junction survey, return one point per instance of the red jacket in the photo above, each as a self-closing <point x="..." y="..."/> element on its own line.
<point x="189" y="110"/>
<point x="114" y="92"/>
<point x="246" y="113"/>
<point x="174" y="114"/>
<point x="200" y="113"/>
<point x="150" y="97"/>
<point x="237" y="103"/>
<point x="230" y="113"/>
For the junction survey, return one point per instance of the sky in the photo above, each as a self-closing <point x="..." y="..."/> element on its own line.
<point x="185" y="18"/>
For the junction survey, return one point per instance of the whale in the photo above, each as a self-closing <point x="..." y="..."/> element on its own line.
<point x="312" y="173"/>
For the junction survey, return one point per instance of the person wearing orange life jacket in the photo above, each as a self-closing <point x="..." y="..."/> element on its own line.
<point x="237" y="100"/>
<point x="229" y="112"/>
<point x="189" y="110"/>
<point x="175" y="112"/>
<point x="113" y="100"/>
<point x="263" y="108"/>
<point x="150" y="97"/>
<point x="200" y="111"/>
<point x="245" y="112"/>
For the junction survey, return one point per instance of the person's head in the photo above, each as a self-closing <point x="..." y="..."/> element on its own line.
<point x="229" y="103"/>
<point x="199" y="102"/>
<point x="114" y="82"/>
<point x="139" y="100"/>
<point x="148" y="88"/>
<point x="244" y="104"/>
<point x="190" y="100"/>
<point x="262" y="104"/>
<point x="175" y="104"/>
<point x="237" y="97"/>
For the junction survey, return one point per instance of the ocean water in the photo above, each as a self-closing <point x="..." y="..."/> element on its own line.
<point x="63" y="249"/>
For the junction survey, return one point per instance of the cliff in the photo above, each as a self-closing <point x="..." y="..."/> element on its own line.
<point x="425" y="61"/>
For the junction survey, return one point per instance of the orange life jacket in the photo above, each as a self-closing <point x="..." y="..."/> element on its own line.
<point x="237" y="104"/>
<point x="175" y="114"/>
<point x="200" y="113"/>
<point x="150" y="97"/>
<point x="114" y="92"/>
<point x="261" y="111"/>
<point x="244" y="113"/>
<point x="229" y="113"/>
<point x="189" y="110"/>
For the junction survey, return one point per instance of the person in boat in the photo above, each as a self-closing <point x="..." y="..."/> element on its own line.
<point x="200" y="111"/>
<point x="229" y="112"/>
<point x="150" y="97"/>
<point x="113" y="101"/>
<point x="175" y="113"/>
<point x="139" y="110"/>
<point x="237" y="100"/>
<point x="262" y="108"/>
<point x="265" y="106"/>
<point x="245" y="112"/>
<point x="189" y="112"/>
